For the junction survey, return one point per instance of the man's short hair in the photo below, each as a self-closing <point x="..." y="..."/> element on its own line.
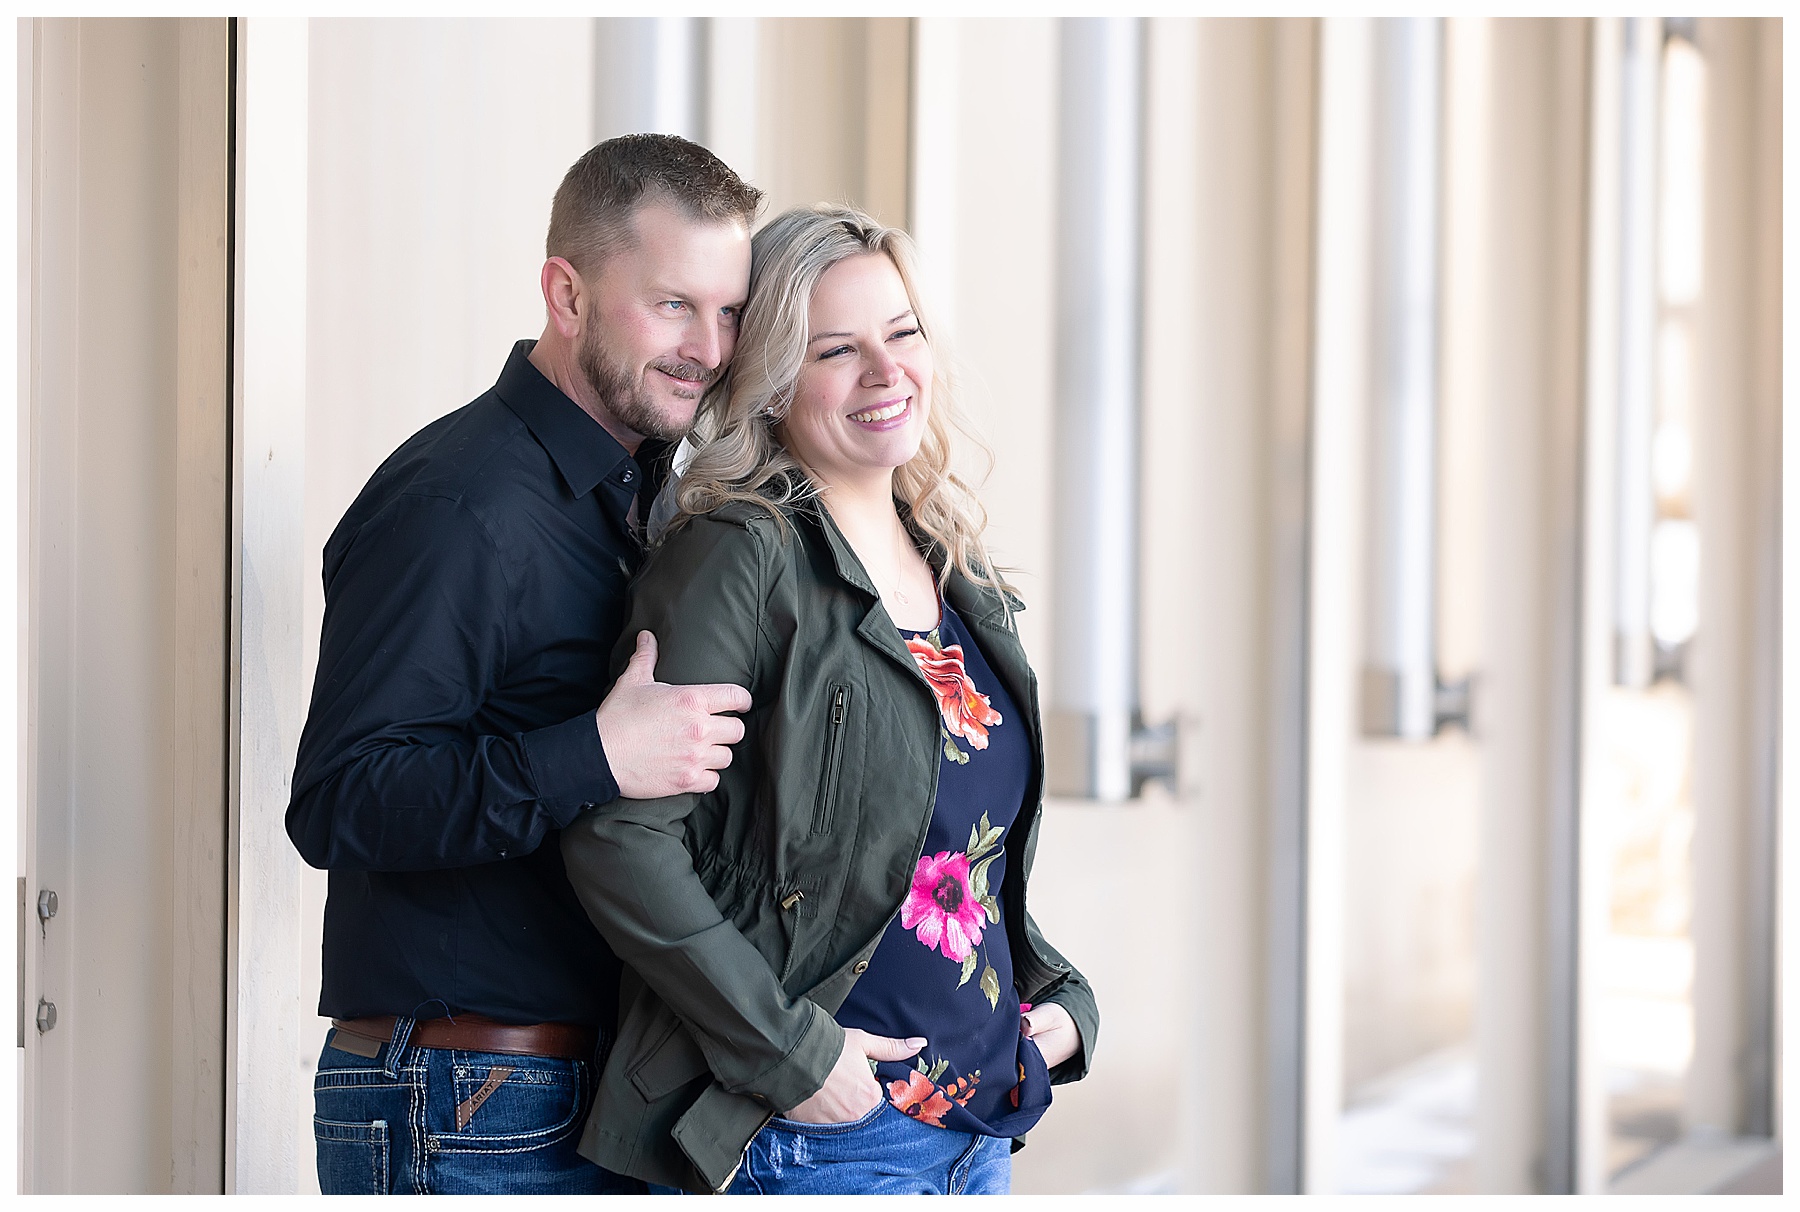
<point x="591" y="216"/>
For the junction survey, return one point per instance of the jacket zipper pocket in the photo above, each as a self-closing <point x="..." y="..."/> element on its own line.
<point x="834" y="754"/>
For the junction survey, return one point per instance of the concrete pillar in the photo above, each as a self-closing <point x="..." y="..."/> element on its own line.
<point x="1527" y="711"/>
<point x="1737" y="475"/>
<point x="267" y="1040"/>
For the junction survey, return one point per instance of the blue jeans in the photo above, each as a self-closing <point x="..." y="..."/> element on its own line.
<point x="886" y="1152"/>
<point x="443" y="1121"/>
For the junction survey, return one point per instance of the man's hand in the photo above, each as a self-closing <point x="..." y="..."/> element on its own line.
<point x="1053" y="1031"/>
<point x="665" y="740"/>
<point x="851" y="1091"/>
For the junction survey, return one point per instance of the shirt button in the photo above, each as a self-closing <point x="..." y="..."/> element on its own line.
<point x="862" y="966"/>
<point x="626" y="476"/>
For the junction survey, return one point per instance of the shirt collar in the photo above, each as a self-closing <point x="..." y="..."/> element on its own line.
<point x="584" y="453"/>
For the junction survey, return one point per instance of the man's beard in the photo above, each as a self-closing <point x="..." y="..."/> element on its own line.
<point x="627" y="398"/>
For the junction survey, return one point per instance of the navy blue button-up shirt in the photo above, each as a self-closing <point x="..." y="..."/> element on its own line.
<point x="473" y="594"/>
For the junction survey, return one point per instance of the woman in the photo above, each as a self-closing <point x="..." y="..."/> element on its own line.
<point x="832" y="982"/>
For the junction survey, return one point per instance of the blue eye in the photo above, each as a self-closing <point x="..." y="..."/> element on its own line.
<point x="904" y="332"/>
<point x="674" y="304"/>
<point x="834" y="351"/>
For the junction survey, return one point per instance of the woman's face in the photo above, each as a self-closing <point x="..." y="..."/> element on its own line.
<point x="864" y="391"/>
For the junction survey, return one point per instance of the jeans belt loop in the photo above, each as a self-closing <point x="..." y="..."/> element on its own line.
<point x="403" y="1029"/>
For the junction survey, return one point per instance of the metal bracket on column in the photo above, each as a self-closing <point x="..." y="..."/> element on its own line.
<point x="1389" y="708"/>
<point x="1109" y="755"/>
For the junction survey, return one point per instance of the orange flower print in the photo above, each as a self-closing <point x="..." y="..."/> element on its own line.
<point x="919" y="1097"/>
<point x="966" y="712"/>
<point x="962" y="1089"/>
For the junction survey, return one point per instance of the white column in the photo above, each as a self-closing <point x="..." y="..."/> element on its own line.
<point x="649" y="75"/>
<point x="1342" y="335"/>
<point x="1526" y="721"/>
<point x="1094" y="698"/>
<point x="1736" y="490"/>
<point x="1635" y="377"/>
<point x="1400" y="677"/>
<point x="264" y="1046"/>
<point x="1599" y="646"/>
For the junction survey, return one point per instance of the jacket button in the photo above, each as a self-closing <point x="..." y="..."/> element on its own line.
<point x="862" y="966"/>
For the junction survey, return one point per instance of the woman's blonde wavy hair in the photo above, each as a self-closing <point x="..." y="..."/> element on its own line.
<point x="737" y="453"/>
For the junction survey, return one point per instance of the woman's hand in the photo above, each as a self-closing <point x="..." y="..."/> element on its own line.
<point x="1052" y="1030"/>
<point x="851" y="1091"/>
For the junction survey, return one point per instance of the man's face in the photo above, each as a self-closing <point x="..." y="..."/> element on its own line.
<point x="664" y="318"/>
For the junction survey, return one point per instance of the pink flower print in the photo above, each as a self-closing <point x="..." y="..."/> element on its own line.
<point x="942" y="907"/>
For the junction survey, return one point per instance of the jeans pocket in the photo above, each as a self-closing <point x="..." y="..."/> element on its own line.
<point x="804" y="1128"/>
<point x="353" y="1158"/>
<point x="509" y="1104"/>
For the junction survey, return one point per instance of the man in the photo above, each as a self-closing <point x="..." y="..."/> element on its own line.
<point x="473" y="595"/>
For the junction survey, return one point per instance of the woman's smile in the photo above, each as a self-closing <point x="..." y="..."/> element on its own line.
<point x="887" y="415"/>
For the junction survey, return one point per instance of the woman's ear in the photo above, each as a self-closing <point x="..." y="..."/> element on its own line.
<point x="564" y="297"/>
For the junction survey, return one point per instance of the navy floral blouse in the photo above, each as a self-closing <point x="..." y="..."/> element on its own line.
<point x="943" y="970"/>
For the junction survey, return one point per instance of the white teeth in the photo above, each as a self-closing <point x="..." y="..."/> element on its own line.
<point x="880" y="414"/>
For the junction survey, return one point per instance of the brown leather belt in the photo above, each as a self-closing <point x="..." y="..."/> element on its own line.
<point x="479" y="1033"/>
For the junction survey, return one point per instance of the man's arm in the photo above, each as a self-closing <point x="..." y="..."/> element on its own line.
<point x="414" y="640"/>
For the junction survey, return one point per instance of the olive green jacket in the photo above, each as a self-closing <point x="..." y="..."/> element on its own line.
<point x="744" y="915"/>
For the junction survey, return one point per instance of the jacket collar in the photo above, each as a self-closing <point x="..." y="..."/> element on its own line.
<point x="584" y="453"/>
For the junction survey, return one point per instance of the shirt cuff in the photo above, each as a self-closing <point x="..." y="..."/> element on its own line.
<point x="569" y="767"/>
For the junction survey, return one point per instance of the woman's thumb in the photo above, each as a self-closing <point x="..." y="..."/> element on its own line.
<point x="884" y="1048"/>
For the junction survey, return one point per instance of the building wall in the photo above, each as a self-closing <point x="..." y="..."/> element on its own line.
<point x="101" y="610"/>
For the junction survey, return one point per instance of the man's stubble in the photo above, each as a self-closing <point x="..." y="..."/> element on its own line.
<point x="626" y="396"/>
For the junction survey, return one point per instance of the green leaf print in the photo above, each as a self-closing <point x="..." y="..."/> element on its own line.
<point x="982" y="838"/>
<point x="978" y="876"/>
<point x="937" y="1070"/>
<point x="990" y="985"/>
<point x="968" y="969"/>
<point x="992" y="907"/>
<point x="952" y="752"/>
